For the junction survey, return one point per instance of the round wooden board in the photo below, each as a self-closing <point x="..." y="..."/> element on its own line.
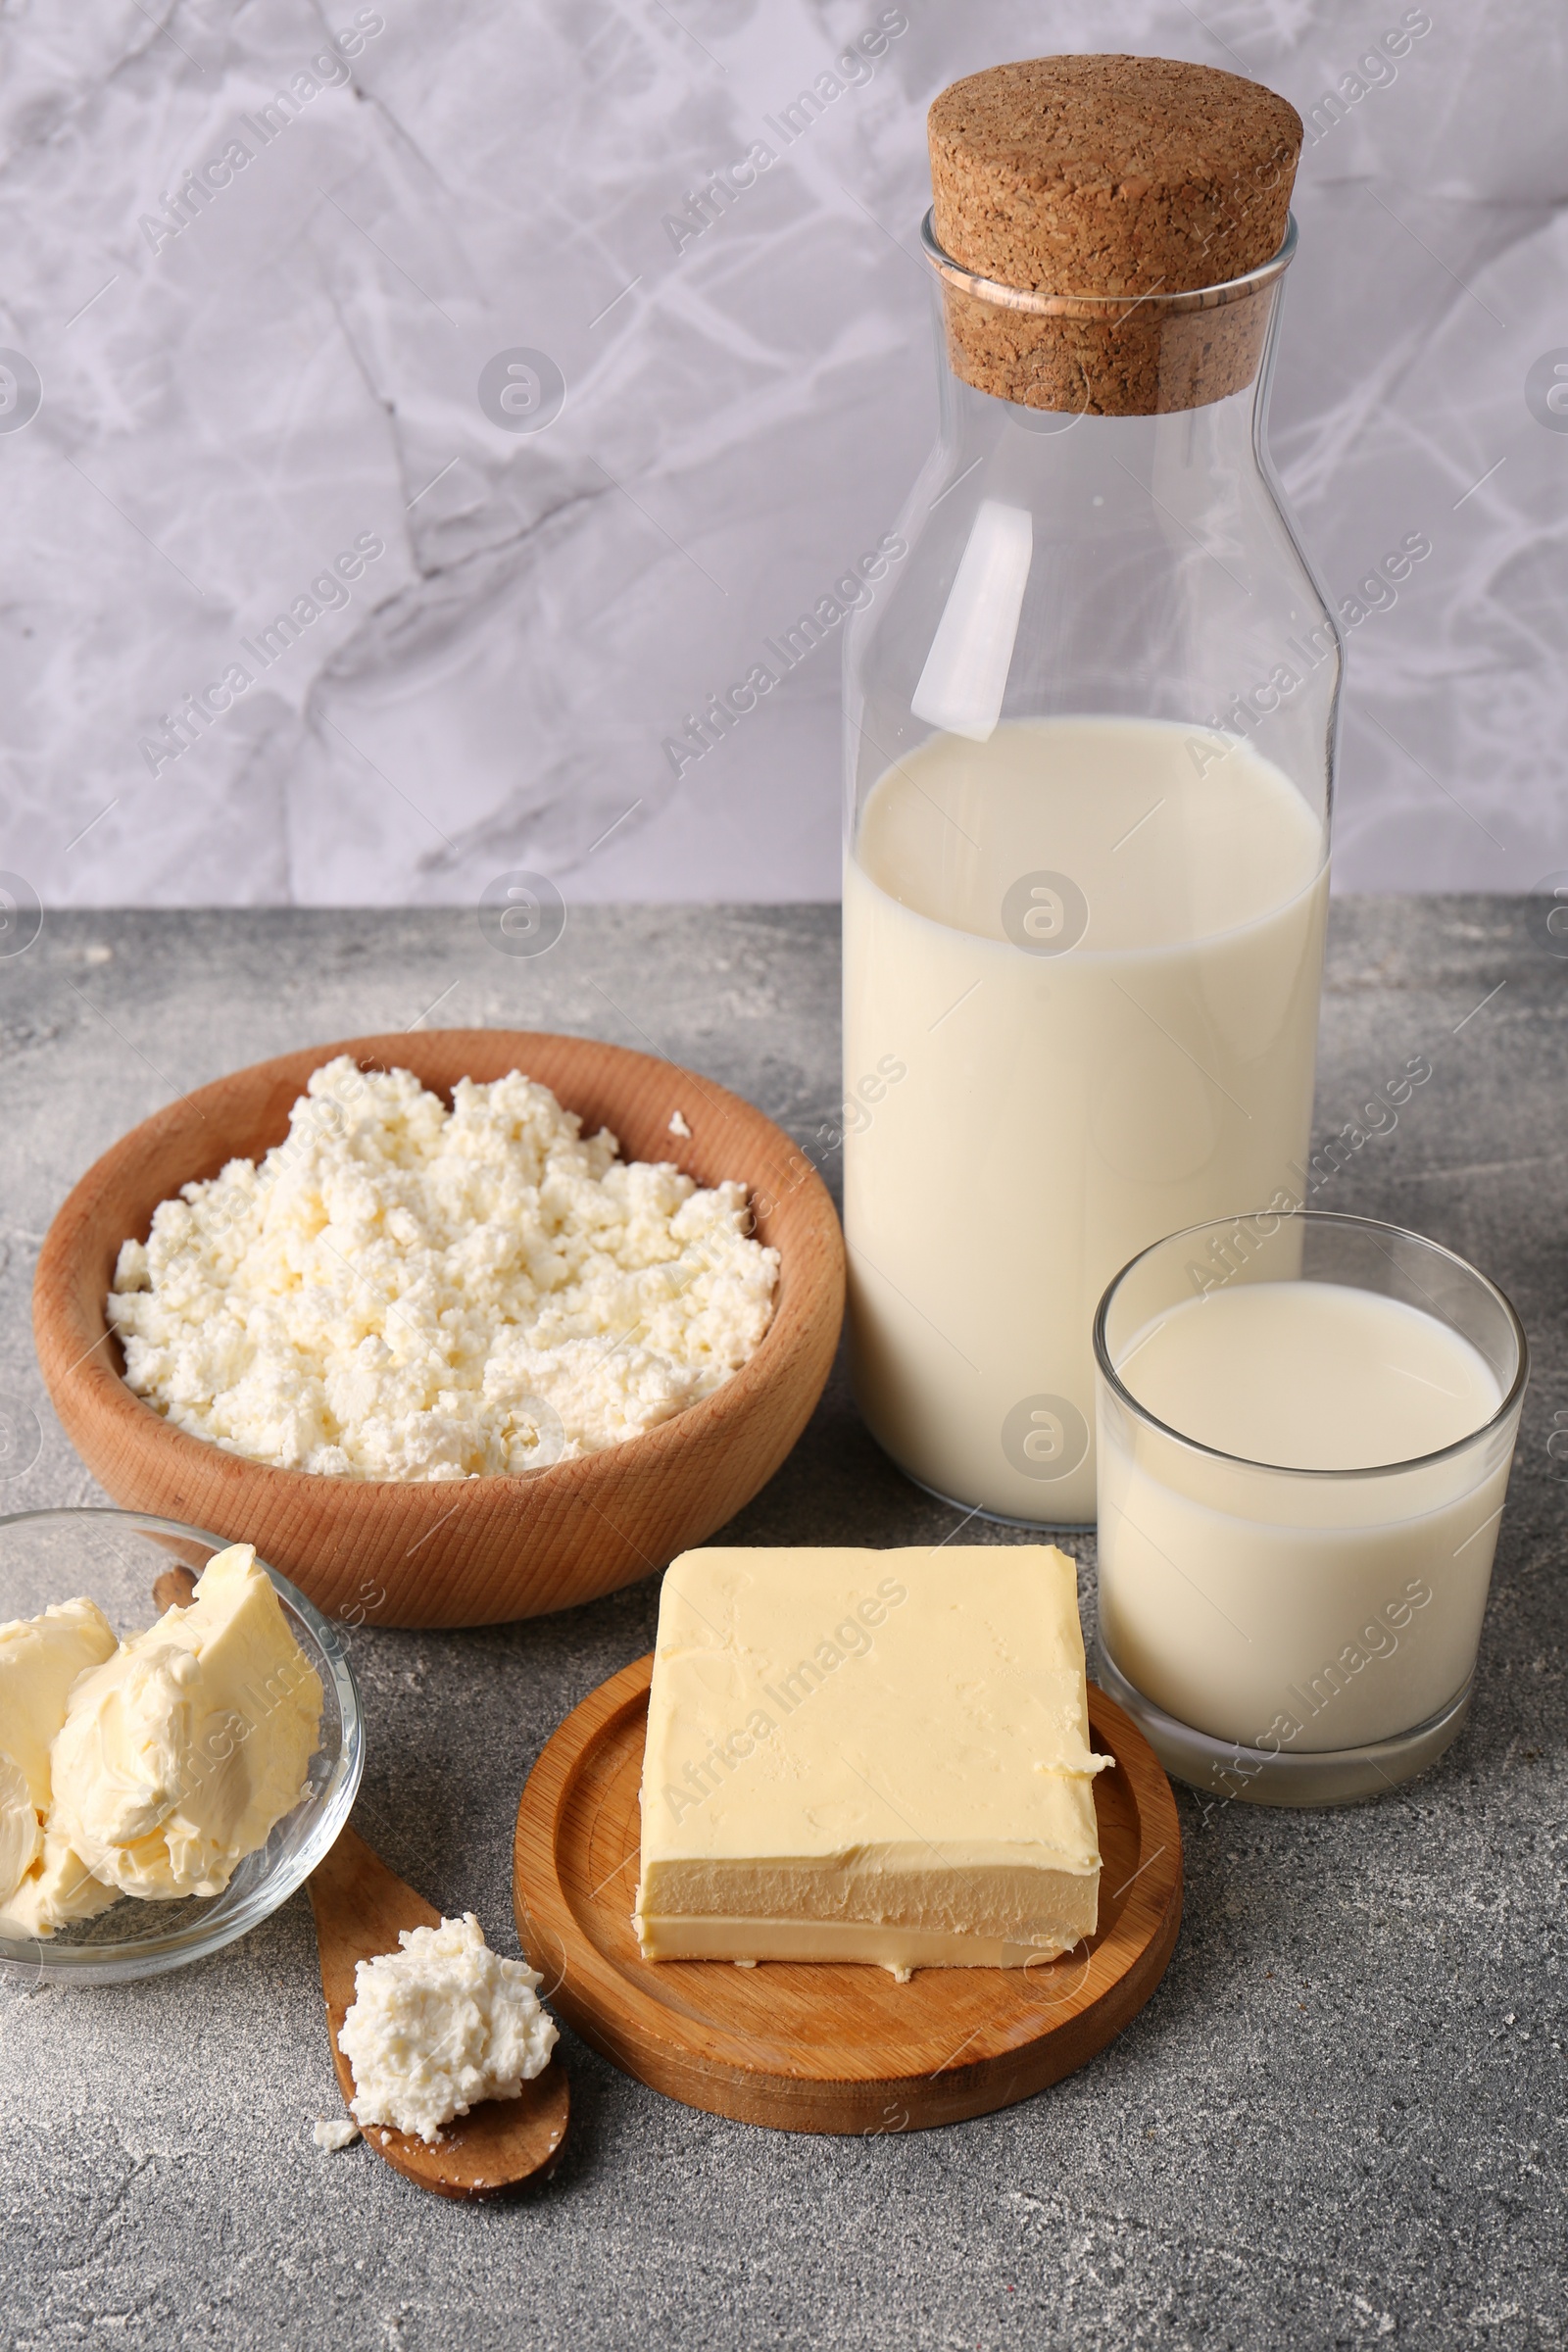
<point x="814" y="2047"/>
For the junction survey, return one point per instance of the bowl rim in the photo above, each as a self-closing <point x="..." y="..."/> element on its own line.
<point x="97" y="1386"/>
<point x="42" y="1961"/>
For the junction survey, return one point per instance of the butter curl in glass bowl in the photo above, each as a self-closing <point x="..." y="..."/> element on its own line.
<point x="179" y="1772"/>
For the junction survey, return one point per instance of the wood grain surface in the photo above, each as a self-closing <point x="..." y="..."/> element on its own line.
<point x="361" y="1906"/>
<point x="481" y="1551"/>
<point x="812" y="2046"/>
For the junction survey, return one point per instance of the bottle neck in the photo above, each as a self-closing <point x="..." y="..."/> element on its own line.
<point x="1138" y="564"/>
<point x="1110" y="355"/>
<point x="1223" y="440"/>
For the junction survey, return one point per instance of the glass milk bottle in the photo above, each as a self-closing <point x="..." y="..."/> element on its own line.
<point x="1090" y="727"/>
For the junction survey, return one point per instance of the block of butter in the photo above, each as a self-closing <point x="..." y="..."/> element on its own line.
<point x="869" y="1756"/>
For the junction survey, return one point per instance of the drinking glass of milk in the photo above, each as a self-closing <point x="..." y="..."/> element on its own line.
<point x="1090" y="724"/>
<point x="1305" y="1427"/>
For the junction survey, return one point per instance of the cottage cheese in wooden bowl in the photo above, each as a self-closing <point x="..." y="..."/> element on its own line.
<point x="456" y="1327"/>
<point x="404" y="1290"/>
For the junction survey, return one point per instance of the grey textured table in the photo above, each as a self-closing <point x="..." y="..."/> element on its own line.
<point x="1341" y="2119"/>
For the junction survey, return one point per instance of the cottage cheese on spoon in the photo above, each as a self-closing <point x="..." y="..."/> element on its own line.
<point x="441" y="2024"/>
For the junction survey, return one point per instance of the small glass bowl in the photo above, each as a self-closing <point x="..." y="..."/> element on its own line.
<point x="114" y="1558"/>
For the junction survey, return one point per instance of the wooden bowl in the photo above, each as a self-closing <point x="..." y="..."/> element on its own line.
<point x="477" y="1550"/>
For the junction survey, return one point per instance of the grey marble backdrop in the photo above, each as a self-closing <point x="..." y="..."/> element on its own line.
<point x="260" y="358"/>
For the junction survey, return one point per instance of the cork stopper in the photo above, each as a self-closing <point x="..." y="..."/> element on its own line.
<point x="1099" y="190"/>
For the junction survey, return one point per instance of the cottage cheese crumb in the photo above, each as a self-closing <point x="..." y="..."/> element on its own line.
<point x="335" y="2132"/>
<point x="439" y="2025"/>
<point x="404" y="1291"/>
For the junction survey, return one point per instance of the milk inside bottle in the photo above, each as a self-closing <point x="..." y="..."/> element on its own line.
<point x="1063" y="1100"/>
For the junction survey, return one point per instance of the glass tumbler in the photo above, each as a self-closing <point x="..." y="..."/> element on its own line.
<point x="1090" y="727"/>
<point x="1291" y="1635"/>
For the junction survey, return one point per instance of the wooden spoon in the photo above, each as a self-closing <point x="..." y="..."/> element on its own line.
<point x="359" y="1907"/>
<point x="175" y="1588"/>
